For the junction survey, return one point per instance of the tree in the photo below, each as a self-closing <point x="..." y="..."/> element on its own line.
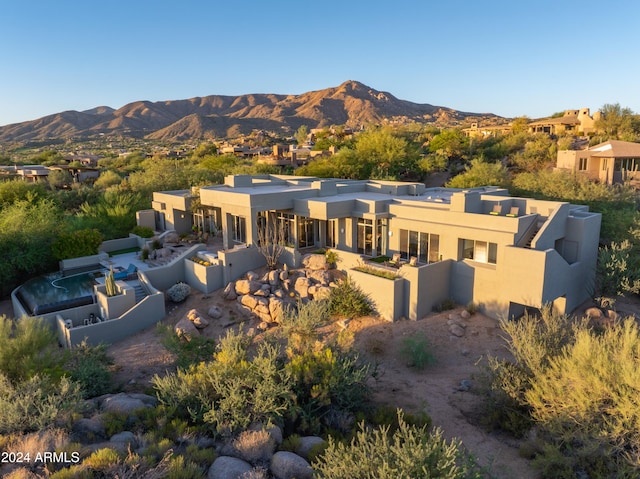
<point x="450" y="143"/>
<point x="78" y="243"/>
<point x="302" y="134"/>
<point x="271" y="239"/>
<point x="59" y="179"/>
<point x="616" y="122"/>
<point x="481" y="173"/>
<point x="108" y="178"/>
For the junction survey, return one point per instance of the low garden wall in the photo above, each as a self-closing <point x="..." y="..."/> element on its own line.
<point x="387" y="295"/>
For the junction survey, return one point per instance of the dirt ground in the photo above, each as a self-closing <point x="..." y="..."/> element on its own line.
<point x="434" y="390"/>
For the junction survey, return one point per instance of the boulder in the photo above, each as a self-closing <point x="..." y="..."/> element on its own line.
<point x="456" y="330"/>
<point x="199" y="322"/>
<point x="249" y="301"/>
<point x="301" y="287"/>
<point x="88" y="429"/>
<point x="287" y="465"/>
<point x="227" y="467"/>
<point x="307" y="443"/>
<point x="593" y="313"/>
<point x="253" y="276"/>
<point x="315" y="262"/>
<point x="125" y="437"/>
<point x="319" y="276"/>
<point x="276" y="308"/>
<point x="126" y="403"/>
<point x="464" y="314"/>
<point x="322" y="292"/>
<point x="284" y="275"/>
<point x="185" y="329"/>
<point x="229" y="292"/>
<point x="274" y="277"/>
<point x="215" y="312"/>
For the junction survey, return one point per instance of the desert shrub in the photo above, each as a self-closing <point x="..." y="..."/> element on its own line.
<point x="102" y="459"/>
<point x="347" y="299"/>
<point x="233" y="390"/>
<point x="445" y="305"/>
<point x="416" y="351"/>
<point x="181" y="468"/>
<point x="143" y="231"/>
<point x="255" y="447"/>
<point x="291" y="443"/>
<point x="326" y="382"/>
<point x="73" y="472"/>
<point x="178" y="292"/>
<point x="89" y="367"/>
<point x="203" y="457"/>
<point x="83" y="242"/>
<point x="28" y="347"/>
<point x="196" y="349"/>
<point x="35" y="403"/>
<point x="299" y="324"/>
<point x="615" y="273"/>
<point x="406" y="453"/>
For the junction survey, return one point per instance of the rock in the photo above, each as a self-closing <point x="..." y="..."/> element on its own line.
<point x="199" y="322"/>
<point x="287" y="465"/>
<point x="319" y="276"/>
<point x="593" y="313"/>
<point x="456" y="330"/>
<point x="249" y="301"/>
<point x="273" y="277"/>
<point x="322" y="292"/>
<point x="301" y="287"/>
<point x="276" y="434"/>
<point x="229" y="292"/>
<point x="88" y="429"/>
<point x="126" y="403"/>
<point x="284" y="275"/>
<point x="276" y="308"/>
<point x="227" y="467"/>
<point x="263" y="326"/>
<point x="315" y="262"/>
<point x="307" y="443"/>
<point x="464" y="314"/>
<point x="465" y="385"/>
<point x="185" y="329"/>
<point x="253" y="276"/>
<point x="611" y="314"/>
<point x="215" y="312"/>
<point x="280" y="294"/>
<point x="125" y="437"/>
<point x="192" y="314"/>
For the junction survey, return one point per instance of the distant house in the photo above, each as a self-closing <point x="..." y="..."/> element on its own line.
<point x="611" y="162"/>
<point x="476" y="130"/>
<point x="33" y="173"/>
<point x="572" y="122"/>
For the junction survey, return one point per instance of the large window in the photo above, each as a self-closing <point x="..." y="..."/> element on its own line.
<point x="481" y="251"/>
<point x="626" y="164"/>
<point x="306" y="232"/>
<point x="365" y="236"/>
<point x="286" y="223"/>
<point x="239" y="229"/>
<point x="423" y="246"/>
<point x="582" y="164"/>
<point x="332" y="233"/>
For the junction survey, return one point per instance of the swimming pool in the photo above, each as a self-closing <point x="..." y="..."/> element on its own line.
<point x="55" y="292"/>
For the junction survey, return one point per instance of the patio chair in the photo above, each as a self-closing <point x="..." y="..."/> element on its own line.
<point x="514" y="211"/>
<point x="497" y="209"/>
<point x="395" y="259"/>
<point x="413" y="261"/>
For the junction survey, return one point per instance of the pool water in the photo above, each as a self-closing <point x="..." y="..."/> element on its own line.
<point x="55" y="292"/>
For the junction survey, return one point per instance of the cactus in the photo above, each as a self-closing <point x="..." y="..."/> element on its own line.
<point x="110" y="284"/>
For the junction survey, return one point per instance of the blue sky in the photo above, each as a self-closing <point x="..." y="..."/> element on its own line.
<point x="510" y="58"/>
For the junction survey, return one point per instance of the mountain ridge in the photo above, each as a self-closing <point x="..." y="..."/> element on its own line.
<point x="217" y="116"/>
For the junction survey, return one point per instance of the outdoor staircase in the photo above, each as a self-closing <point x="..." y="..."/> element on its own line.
<point x="532" y="234"/>
<point x="141" y="293"/>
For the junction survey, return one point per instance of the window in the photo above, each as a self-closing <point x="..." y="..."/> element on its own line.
<point x="332" y="233"/>
<point x="424" y="246"/>
<point x="626" y="164"/>
<point x="582" y="164"/>
<point x="239" y="229"/>
<point x="481" y="251"/>
<point x="306" y="232"/>
<point x="286" y="221"/>
<point x="604" y="164"/>
<point x="365" y="236"/>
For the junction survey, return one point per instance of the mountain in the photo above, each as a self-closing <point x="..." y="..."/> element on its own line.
<point x="352" y="104"/>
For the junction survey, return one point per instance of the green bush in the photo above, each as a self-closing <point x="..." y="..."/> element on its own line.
<point x="143" y="231"/>
<point x="28" y="347"/>
<point x="407" y="453"/>
<point x="347" y="299"/>
<point x="416" y="351"/>
<point x="193" y="351"/>
<point x="299" y="324"/>
<point x="89" y="367"/>
<point x="178" y="292"/>
<point x="35" y="403"/>
<point x="83" y="242"/>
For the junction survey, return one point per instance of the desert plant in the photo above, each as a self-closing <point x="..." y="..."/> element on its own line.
<point x="299" y="324"/>
<point x="445" y="305"/>
<point x="332" y="257"/>
<point x="35" y="403"/>
<point x="408" y="452"/>
<point x="416" y="351"/>
<point x="143" y="231"/>
<point x="110" y="284"/>
<point x="196" y="349"/>
<point x="89" y="367"/>
<point x="178" y="292"/>
<point x="271" y="239"/>
<point x="347" y="299"/>
<point x="255" y="447"/>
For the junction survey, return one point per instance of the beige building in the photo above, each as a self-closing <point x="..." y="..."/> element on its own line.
<point x="572" y="122"/>
<point x="611" y="162"/>
<point x="478" y="245"/>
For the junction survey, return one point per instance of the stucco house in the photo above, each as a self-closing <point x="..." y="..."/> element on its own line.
<point x="572" y="122"/>
<point x="611" y="162"/>
<point x="476" y="245"/>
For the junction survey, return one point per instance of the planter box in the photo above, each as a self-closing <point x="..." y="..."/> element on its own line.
<point x="387" y="295"/>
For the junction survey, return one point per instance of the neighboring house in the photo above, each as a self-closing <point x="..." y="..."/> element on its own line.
<point x="611" y="162"/>
<point x="477" y="245"/>
<point x="572" y="122"/>
<point x="476" y="130"/>
<point x="33" y="173"/>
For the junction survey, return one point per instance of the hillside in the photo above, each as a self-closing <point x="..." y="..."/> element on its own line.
<point x="352" y="104"/>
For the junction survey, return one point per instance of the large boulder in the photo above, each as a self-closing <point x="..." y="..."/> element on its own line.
<point x="322" y="292"/>
<point x="319" y="276"/>
<point x="185" y="329"/>
<point x="276" y="308"/>
<point x="227" y="467"/>
<point x="315" y="261"/>
<point x="307" y="444"/>
<point x="274" y="277"/>
<point x="301" y="287"/>
<point x="287" y="465"/>
<point x="253" y="276"/>
<point x="229" y="292"/>
<point x="126" y="403"/>
<point x="244" y="286"/>
<point x="249" y="301"/>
